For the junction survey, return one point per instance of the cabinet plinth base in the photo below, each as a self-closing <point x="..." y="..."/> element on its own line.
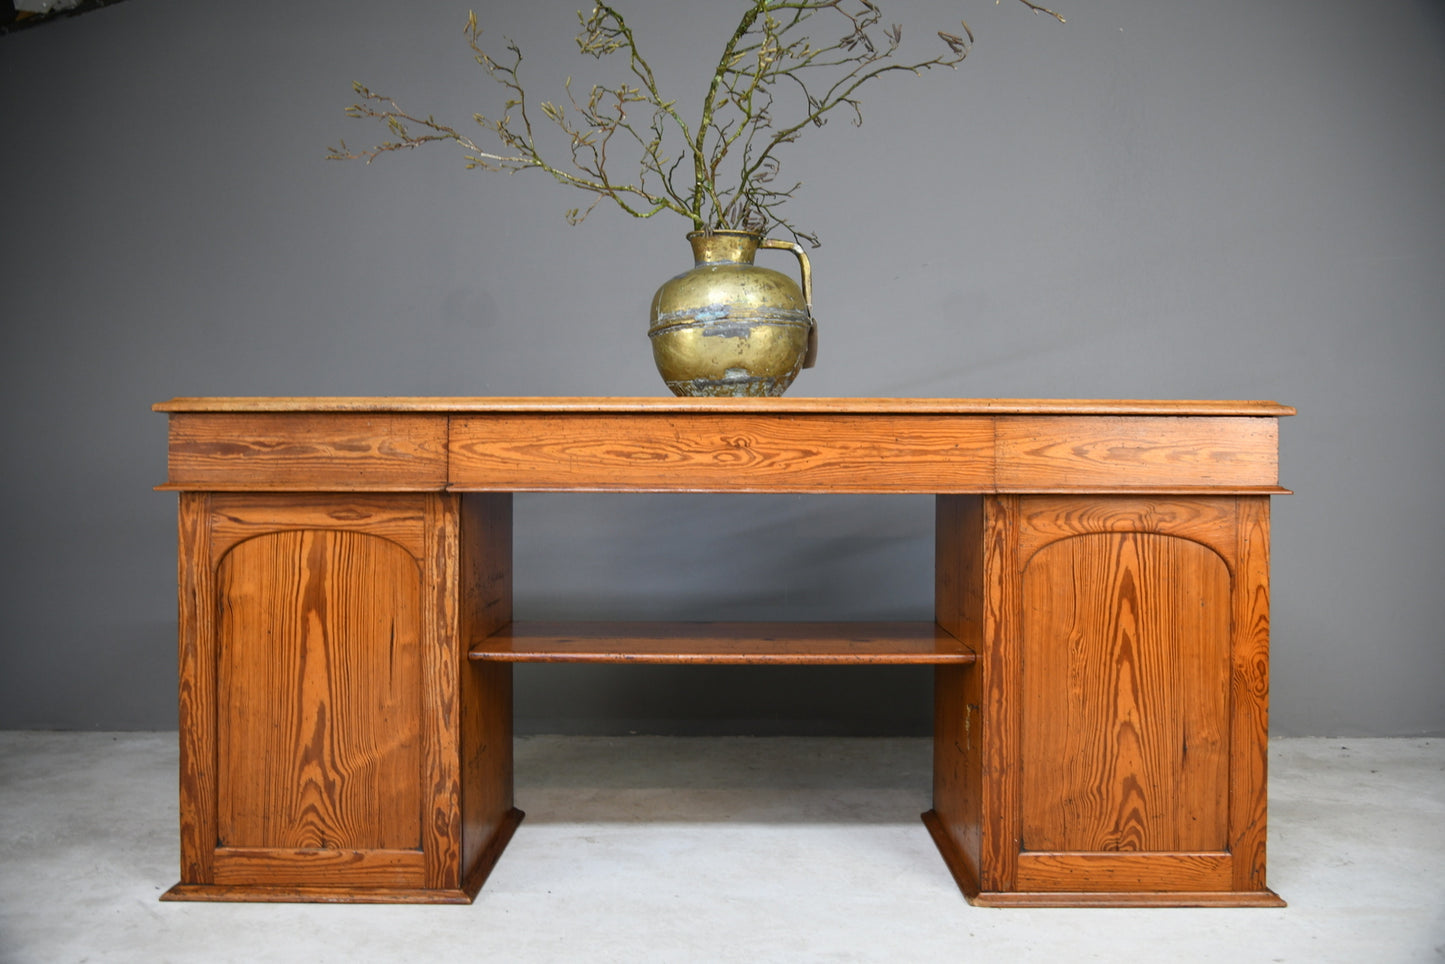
<point x="1223" y="898"/>
<point x="965" y="874"/>
<point x="345" y="894"/>
<point x="966" y="877"/>
<point x="240" y="893"/>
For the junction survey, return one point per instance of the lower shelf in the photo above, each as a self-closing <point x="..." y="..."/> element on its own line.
<point x="816" y="643"/>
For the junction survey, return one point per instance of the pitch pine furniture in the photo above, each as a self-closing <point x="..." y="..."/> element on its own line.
<point x="1100" y="642"/>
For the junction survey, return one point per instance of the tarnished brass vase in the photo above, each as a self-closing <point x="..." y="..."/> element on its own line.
<point x="729" y="327"/>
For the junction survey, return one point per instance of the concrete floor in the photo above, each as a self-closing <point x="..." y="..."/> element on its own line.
<point x="734" y="849"/>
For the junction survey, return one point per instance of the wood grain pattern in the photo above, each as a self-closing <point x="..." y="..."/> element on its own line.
<point x="1125" y="871"/>
<point x="960" y="727"/>
<point x="331" y="867"/>
<point x="488" y="816"/>
<point x="1207" y="520"/>
<point x="962" y="863"/>
<point x="1125" y="696"/>
<point x="719" y="643"/>
<point x="306" y="451"/>
<point x="440" y="715"/>
<point x="197" y="688"/>
<point x="1121" y="683"/>
<point x="240" y="516"/>
<point x="1001" y="694"/>
<point x="717" y="453"/>
<point x="958" y="579"/>
<point x="1100" y="639"/>
<point x="1087" y="453"/>
<point x="320" y="681"/>
<point x="456" y="788"/>
<point x="819" y="445"/>
<point x="315" y="894"/>
<point x="1127" y="898"/>
<point x="791" y="404"/>
<point x="1249" y="691"/>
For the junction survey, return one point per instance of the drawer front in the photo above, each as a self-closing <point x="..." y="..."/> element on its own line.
<point x="1113" y="453"/>
<point x="306" y="451"/>
<point x="739" y="452"/>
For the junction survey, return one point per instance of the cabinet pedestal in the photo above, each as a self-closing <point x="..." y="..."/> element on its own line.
<point x="335" y="743"/>
<point x="1109" y="745"/>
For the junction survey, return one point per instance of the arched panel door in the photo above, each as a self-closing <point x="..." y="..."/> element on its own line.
<point x="319" y="683"/>
<point x="1125" y="655"/>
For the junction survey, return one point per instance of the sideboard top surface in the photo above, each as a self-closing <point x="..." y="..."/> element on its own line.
<point x="781" y="406"/>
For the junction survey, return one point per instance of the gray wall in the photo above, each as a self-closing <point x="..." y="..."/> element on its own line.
<point x="1228" y="199"/>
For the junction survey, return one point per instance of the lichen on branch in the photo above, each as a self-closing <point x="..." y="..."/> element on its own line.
<point x="720" y="171"/>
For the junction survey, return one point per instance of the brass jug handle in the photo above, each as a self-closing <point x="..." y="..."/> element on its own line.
<point x="810" y="358"/>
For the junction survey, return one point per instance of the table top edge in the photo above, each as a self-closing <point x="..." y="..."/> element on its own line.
<point x="545" y="405"/>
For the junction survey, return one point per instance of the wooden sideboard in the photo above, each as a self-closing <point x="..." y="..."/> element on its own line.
<point x="1100" y="639"/>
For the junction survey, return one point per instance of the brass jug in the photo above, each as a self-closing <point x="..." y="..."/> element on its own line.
<point x="729" y="327"/>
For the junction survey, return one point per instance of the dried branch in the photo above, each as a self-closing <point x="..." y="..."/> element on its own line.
<point x="769" y="68"/>
<point x="1038" y="9"/>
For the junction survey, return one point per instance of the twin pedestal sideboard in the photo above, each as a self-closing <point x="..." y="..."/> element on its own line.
<point x="1100" y="640"/>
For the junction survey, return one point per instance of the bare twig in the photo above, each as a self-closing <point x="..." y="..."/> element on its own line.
<point x="1038" y="9"/>
<point x="768" y="69"/>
